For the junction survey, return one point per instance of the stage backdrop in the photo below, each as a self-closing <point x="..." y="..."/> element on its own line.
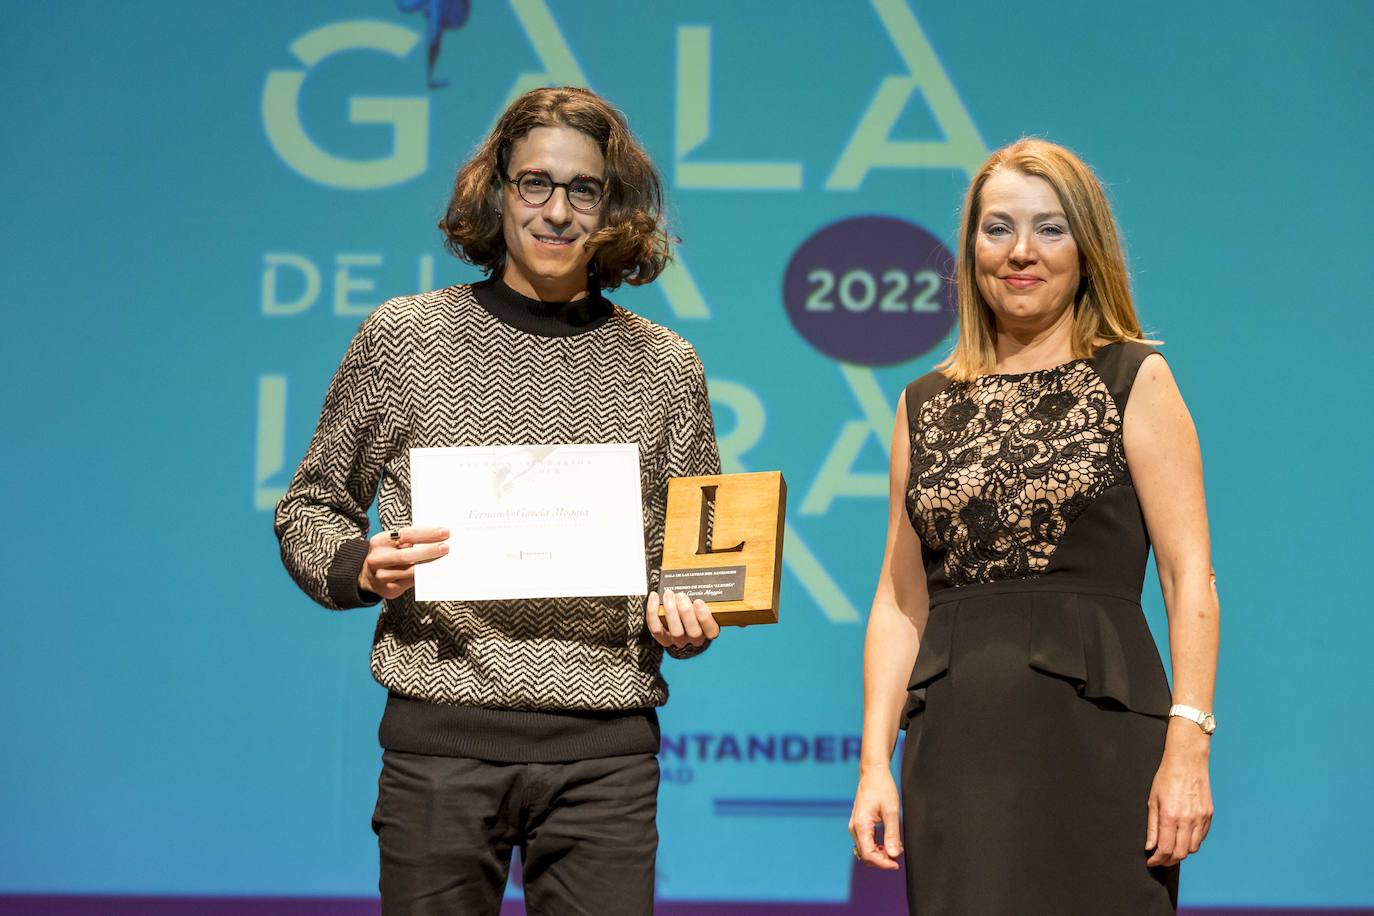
<point x="203" y="200"/>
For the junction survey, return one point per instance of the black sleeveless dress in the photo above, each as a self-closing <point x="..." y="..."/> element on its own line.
<point x="1037" y="705"/>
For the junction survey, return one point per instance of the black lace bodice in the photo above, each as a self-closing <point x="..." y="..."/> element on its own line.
<point x="1002" y="466"/>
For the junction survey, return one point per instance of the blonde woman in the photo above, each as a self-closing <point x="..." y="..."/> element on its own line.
<point x="1047" y="766"/>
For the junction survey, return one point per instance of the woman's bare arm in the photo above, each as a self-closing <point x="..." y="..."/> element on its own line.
<point x="895" y="623"/>
<point x="1166" y="467"/>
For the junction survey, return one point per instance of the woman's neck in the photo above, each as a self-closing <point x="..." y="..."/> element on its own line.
<point x="1028" y="348"/>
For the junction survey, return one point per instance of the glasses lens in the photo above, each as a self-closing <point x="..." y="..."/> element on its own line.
<point x="584" y="193"/>
<point x="535" y="187"/>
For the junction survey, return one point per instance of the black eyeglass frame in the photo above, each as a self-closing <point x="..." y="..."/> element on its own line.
<point x="554" y="186"/>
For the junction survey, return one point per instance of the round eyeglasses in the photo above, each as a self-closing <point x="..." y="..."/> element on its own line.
<point x="535" y="187"/>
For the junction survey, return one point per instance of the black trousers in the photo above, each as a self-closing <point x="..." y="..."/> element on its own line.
<point x="586" y="832"/>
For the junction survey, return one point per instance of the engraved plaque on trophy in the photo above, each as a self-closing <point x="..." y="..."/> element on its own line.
<point x="722" y="543"/>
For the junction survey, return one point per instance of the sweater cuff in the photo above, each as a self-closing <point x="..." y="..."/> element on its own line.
<point x="689" y="651"/>
<point x="342" y="580"/>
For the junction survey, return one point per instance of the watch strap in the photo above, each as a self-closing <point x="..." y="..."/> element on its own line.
<point x="1205" y="720"/>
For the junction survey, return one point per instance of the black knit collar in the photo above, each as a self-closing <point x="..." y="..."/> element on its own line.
<point x="546" y="319"/>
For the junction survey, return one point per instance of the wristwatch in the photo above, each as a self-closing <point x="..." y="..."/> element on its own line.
<point x="1205" y="720"/>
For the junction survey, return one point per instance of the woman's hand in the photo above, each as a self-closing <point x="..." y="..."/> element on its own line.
<point x="389" y="568"/>
<point x="685" y="622"/>
<point x="1180" y="811"/>
<point x="876" y="802"/>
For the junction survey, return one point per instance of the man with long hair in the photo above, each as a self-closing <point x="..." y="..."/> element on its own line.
<point x="532" y="723"/>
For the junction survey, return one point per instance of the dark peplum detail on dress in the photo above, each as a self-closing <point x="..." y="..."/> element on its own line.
<point x="1038" y="683"/>
<point x="1097" y="641"/>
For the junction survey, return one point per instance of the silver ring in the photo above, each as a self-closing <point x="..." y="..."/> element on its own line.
<point x="394" y="534"/>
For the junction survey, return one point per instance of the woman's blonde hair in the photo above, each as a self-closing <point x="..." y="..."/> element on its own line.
<point x="1102" y="307"/>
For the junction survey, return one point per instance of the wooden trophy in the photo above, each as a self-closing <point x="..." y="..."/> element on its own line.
<point x="722" y="543"/>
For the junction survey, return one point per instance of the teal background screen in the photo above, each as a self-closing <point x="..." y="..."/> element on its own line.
<point x="202" y="201"/>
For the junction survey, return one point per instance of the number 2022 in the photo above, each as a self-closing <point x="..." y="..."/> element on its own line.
<point x="857" y="291"/>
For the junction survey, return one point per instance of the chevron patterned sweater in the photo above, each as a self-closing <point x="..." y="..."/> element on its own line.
<point x="519" y="680"/>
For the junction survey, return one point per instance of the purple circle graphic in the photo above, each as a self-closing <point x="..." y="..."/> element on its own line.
<point x="871" y="290"/>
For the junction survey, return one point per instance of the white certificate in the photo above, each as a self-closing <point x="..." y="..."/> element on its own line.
<point x="530" y="521"/>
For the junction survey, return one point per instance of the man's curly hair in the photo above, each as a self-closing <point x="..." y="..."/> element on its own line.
<point x="632" y="246"/>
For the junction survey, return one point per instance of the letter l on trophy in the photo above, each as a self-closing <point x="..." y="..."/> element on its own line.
<point x="722" y="543"/>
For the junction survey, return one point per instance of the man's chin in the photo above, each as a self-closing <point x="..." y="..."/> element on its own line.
<point x="560" y="267"/>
